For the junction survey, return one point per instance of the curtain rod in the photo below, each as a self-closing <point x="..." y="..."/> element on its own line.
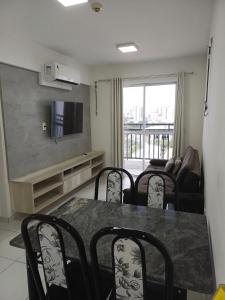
<point x="131" y="78"/>
<point x="147" y="77"/>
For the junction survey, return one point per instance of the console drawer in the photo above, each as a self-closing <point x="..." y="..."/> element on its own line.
<point x="76" y="180"/>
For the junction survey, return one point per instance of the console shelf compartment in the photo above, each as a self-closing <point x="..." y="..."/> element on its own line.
<point x="97" y="160"/>
<point x="46" y="189"/>
<point x="34" y="192"/>
<point x="47" y="185"/>
<point x="97" y="168"/>
<point x="48" y="198"/>
<point x="97" y="164"/>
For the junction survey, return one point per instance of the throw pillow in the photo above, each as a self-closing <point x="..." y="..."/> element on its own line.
<point x="169" y="165"/>
<point x="177" y="165"/>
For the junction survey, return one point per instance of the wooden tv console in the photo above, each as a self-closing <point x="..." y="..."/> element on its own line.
<point x="35" y="191"/>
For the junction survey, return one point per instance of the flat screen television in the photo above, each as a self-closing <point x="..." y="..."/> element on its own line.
<point x="66" y="118"/>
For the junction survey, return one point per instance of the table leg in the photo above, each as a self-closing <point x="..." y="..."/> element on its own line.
<point x="32" y="291"/>
<point x="180" y="294"/>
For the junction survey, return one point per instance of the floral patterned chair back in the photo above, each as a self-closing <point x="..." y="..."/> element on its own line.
<point x="52" y="254"/>
<point x="156" y="191"/>
<point x="44" y="244"/>
<point x="129" y="281"/>
<point x="155" y="182"/>
<point x="128" y="263"/>
<point x="114" y="185"/>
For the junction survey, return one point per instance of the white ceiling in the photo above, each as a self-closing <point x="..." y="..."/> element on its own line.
<point x="161" y="28"/>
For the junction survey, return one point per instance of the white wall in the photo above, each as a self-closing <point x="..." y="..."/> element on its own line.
<point x="5" y="204"/>
<point x="214" y="143"/>
<point x="22" y="52"/>
<point x="194" y="96"/>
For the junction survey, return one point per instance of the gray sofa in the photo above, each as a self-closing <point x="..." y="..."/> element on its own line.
<point x="188" y="175"/>
<point x="187" y="178"/>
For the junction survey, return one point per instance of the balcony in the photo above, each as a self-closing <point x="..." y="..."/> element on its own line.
<point x="143" y="142"/>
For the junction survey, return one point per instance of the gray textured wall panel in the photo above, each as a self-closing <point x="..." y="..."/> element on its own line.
<point x="25" y="106"/>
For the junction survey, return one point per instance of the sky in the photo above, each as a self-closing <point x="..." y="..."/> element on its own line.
<point x="159" y="103"/>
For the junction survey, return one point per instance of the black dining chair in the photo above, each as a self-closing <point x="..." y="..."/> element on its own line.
<point x="114" y="185"/>
<point x="128" y="279"/>
<point x="156" y="189"/>
<point x="64" y="278"/>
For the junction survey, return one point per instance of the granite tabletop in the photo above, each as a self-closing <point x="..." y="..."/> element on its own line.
<point x="185" y="236"/>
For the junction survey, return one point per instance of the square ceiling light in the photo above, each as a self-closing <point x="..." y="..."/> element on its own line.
<point x="67" y="3"/>
<point x="128" y="47"/>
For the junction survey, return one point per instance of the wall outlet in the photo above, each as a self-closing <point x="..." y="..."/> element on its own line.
<point x="44" y="126"/>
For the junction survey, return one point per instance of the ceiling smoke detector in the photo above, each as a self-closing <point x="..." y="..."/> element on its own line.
<point x="96" y="6"/>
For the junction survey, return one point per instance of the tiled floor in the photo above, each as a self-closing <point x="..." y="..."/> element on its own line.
<point x="13" y="280"/>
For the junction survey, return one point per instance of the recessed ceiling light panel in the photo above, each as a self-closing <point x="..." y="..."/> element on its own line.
<point x="128" y="47"/>
<point x="67" y="3"/>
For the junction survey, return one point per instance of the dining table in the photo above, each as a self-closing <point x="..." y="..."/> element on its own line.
<point x="185" y="236"/>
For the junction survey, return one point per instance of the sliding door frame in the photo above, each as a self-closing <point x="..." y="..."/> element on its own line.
<point x="145" y="85"/>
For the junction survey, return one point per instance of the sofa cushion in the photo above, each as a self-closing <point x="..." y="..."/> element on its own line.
<point x="189" y="174"/>
<point x="177" y="165"/>
<point x="187" y="177"/>
<point x="191" y="179"/>
<point x="188" y="161"/>
<point x="169" y="165"/>
<point x="158" y="162"/>
<point x="144" y="179"/>
<point x="186" y="151"/>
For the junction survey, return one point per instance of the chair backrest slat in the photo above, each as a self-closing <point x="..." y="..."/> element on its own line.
<point x="156" y="191"/>
<point x="129" y="268"/>
<point x="52" y="254"/>
<point x="43" y="239"/>
<point x="114" y="185"/>
<point x="156" y="188"/>
<point x="129" y="264"/>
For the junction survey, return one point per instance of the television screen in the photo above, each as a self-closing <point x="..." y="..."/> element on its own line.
<point x="66" y="118"/>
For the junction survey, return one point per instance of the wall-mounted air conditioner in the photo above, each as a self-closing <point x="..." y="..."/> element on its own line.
<point x="59" y="76"/>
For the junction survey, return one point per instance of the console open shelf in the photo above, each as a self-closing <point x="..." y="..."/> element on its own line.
<point x="97" y="160"/>
<point x="96" y="169"/>
<point x="47" y="185"/>
<point x="33" y="192"/>
<point x="48" y="198"/>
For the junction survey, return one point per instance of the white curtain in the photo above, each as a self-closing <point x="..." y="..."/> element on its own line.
<point x="117" y="122"/>
<point x="179" y="117"/>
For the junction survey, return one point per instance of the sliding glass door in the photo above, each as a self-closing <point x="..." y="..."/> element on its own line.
<point x="148" y="112"/>
<point x="133" y="114"/>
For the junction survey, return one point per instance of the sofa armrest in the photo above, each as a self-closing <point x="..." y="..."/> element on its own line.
<point x="191" y="202"/>
<point x="190" y="183"/>
<point x="158" y="162"/>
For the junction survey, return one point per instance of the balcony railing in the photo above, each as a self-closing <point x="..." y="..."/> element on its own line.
<point x="149" y="140"/>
